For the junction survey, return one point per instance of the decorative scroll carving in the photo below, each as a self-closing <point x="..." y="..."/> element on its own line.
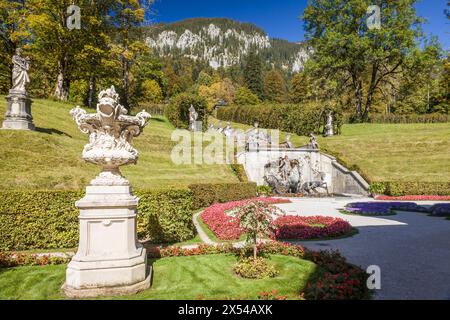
<point x="110" y="135"/>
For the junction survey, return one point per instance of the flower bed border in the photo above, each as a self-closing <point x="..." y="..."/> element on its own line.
<point x="413" y="198"/>
<point x="299" y="228"/>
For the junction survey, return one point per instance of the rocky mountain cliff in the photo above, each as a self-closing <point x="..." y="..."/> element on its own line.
<point x="223" y="43"/>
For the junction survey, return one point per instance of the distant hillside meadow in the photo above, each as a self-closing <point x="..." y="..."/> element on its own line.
<point x="50" y="158"/>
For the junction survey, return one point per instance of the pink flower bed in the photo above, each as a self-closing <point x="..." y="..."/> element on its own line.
<point x="414" y="198"/>
<point x="294" y="227"/>
<point x="226" y="227"/>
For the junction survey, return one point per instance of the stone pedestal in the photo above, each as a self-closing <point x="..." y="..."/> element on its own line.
<point x="18" y="113"/>
<point x="109" y="261"/>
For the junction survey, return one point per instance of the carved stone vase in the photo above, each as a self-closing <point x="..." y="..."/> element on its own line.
<point x="109" y="260"/>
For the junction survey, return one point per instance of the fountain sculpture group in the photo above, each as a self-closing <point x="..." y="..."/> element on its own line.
<point x="110" y="260"/>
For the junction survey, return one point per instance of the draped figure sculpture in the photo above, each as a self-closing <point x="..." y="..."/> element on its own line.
<point x="21" y="65"/>
<point x="18" y="113"/>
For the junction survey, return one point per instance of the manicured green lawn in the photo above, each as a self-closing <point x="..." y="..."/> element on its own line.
<point x="205" y="277"/>
<point x="50" y="158"/>
<point x="389" y="152"/>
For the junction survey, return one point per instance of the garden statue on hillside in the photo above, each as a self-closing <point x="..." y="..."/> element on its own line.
<point x="228" y="131"/>
<point x="313" y="144"/>
<point x="329" y="132"/>
<point x="219" y="127"/>
<point x="193" y="116"/>
<point x="20" y="78"/>
<point x="18" y="113"/>
<point x="287" y="144"/>
<point x="109" y="261"/>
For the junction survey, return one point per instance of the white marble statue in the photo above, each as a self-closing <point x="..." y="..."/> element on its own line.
<point x="20" y="78"/>
<point x="313" y="144"/>
<point x="193" y="116"/>
<point x="329" y="126"/>
<point x="228" y="131"/>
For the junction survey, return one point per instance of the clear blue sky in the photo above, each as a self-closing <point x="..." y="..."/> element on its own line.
<point x="280" y="18"/>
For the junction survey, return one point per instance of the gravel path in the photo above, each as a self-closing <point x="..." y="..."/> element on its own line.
<point x="412" y="249"/>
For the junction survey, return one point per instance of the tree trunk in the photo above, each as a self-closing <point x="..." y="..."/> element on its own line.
<point x="91" y="91"/>
<point x="255" y="248"/>
<point x="125" y="81"/>
<point x="357" y="85"/>
<point x="62" y="82"/>
<point x="370" y="93"/>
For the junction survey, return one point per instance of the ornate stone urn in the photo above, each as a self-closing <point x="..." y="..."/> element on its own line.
<point x="109" y="261"/>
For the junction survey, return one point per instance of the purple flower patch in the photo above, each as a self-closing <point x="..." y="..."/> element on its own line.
<point x="380" y="208"/>
<point x="440" y="210"/>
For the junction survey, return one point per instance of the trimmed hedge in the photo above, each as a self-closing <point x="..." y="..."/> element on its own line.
<point x="38" y="219"/>
<point x="204" y="195"/>
<point x="49" y="219"/>
<point x="404" y="118"/>
<point x="165" y="216"/>
<point x="417" y="188"/>
<point x="408" y="188"/>
<point x="299" y="119"/>
<point x="178" y="110"/>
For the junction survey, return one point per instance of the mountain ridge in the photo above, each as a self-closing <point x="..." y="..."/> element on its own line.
<point x="223" y="42"/>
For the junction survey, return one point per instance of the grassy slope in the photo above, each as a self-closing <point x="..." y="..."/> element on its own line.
<point x="388" y="152"/>
<point x="209" y="277"/>
<point x="50" y="158"/>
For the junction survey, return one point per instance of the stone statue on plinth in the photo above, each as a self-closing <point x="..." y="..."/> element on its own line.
<point x="109" y="261"/>
<point x="287" y="144"/>
<point x="193" y="116"/>
<point x="18" y="113"/>
<point x="313" y="144"/>
<point x="329" y="126"/>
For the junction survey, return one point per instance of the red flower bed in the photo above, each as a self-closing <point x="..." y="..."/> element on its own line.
<point x="270" y="247"/>
<point x="414" y="198"/>
<point x="226" y="227"/>
<point x="294" y="227"/>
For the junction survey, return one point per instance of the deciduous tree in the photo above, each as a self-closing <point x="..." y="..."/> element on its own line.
<point x="361" y="56"/>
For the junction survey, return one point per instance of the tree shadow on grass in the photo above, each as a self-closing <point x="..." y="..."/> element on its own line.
<point x="158" y="119"/>
<point x="52" y="131"/>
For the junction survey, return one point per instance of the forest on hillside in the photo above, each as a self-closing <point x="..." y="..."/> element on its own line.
<point x="363" y="72"/>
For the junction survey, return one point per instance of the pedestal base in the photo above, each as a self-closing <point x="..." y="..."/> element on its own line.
<point x="18" y="124"/>
<point x="108" y="291"/>
<point x="18" y="113"/>
<point x="109" y="261"/>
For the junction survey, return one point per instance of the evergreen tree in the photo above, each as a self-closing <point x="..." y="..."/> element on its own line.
<point x="274" y="87"/>
<point x="204" y="79"/>
<point x="253" y="77"/>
